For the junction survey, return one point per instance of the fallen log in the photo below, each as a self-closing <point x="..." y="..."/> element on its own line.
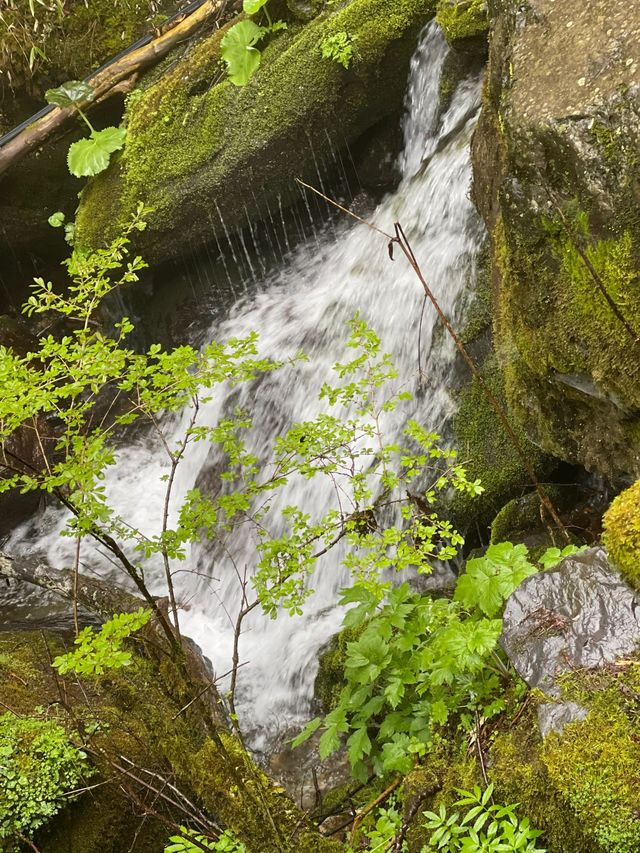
<point x="106" y="79"/>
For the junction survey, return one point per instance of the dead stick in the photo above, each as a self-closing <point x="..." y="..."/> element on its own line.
<point x="368" y="809"/>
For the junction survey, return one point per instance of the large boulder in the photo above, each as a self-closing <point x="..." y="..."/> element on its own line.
<point x="209" y="156"/>
<point x="557" y="179"/>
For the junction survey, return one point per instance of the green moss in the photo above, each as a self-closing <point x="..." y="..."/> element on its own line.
<point x="194" y="140"/>
<point x="141" y="715"/>
<point x="234" y="788"/>
<point x="523" y="515"/>
<point x="330" y="678"/>
<point x="519" y="774"/>
<point x="478" y="316"/>
<point x="622" y="533"/>
<point x="463" y="19"/>
<point x="487" y="451"/>
<point x="569" y="364"/>
<point x="594" y="763"/>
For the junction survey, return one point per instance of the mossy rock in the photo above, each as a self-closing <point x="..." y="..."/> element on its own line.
<point x="330" y="678"/>
<point x="622" y="533"/>
<point x="207" y="155"/>
<point x="464" y="22"/>
<point x="141" y="715"/>
<point x="557" y="179"/>
<point x="579" y="785"/>
<point x="487" y="451"/>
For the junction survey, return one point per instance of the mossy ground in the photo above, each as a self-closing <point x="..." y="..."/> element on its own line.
<point x="622" y="533"/>
<point x="47" y="43"/>
<point x="194" y="140"/>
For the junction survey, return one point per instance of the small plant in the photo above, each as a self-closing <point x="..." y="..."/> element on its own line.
<point x="90" y="156"/>
<point x="484" y="828"/>
<point x="338" y="48"/>
<point x="103" y="650"/>
<point x="419" y="661"/>
<point x="57" y="220"/>
<point x="38" y="768"/>
<point x="192" y="842"/>
<point x="238" y="48"/>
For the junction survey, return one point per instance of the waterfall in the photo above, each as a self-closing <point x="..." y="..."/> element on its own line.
<point x="305" y="304"/>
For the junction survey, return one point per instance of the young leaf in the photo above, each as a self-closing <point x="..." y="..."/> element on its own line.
<point x="307" y="731"/>
<point x="56" y="219"/>
<point x="239" y="52"/>
<point x="90" y="156"/>
<point x="250" y="7"/>
<point x="69" y="94"/>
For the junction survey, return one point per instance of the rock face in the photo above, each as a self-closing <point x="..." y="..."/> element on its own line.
<point x="581" y="615"/>
<point x="557" y="179"/>
<point x="200" y="149"/>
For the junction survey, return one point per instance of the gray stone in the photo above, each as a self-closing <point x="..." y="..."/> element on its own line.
<point x="580" y="615"/>
<point x="554" y="716"/>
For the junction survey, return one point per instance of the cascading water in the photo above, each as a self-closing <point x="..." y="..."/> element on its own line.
<point x="305" y="305"/>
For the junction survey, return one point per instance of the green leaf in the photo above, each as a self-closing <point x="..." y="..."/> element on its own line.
<point x="238" y="51"/>
<point x="358" y="745"/>
<point x="56" y="220"/>
<point x="250" y="7"/>
<point x="69" y="94"/>
<point x="311" y="727"/>
<point x="88" y="157"/>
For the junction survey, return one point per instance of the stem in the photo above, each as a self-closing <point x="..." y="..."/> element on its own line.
<point x="85" y="120"/>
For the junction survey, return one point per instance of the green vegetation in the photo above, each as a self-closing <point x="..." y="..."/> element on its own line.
<point x="484" y="827"/>
<point x="419" y="662"/>
<point x="463" y="19"/>
<point x="192" y="842"/>
<point x="39" y="767"/>
<point x="86" y="157"/>
<point x="103" y="650"/>
<point x="61" y="38"/>
<point x="338" y="48"/>
<point x="622" y="533"/>
<point x="193" y="136"/>
<point x="238" y="47"/>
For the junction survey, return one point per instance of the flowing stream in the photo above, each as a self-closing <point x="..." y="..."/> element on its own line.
<point x="305" y="304"/>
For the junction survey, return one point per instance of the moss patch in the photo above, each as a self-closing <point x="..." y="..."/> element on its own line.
<point x="622" y="533"/>
<point x="462" y="20"/>
<point x="487" y="451"/>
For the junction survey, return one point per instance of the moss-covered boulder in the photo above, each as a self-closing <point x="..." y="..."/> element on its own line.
<point x="579" y="785"/>
<point x="622" y="533"/>
<point x="153" y="750"/>
<point x="557" y="179"/>
<point x="465" y="23"/>
<point x="201" y="150"/>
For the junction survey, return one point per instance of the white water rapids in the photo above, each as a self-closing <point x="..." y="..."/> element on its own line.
<point x="305" y="305"/>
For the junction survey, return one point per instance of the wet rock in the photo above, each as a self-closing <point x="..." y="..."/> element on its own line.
<point x="580" y="615"/>
<point x="555" y="167"/>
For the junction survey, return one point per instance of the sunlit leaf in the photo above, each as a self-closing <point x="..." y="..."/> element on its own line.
<point x="69" y="94"/>
<point x="90" y="156"/>
<point x="239" y="52"/>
